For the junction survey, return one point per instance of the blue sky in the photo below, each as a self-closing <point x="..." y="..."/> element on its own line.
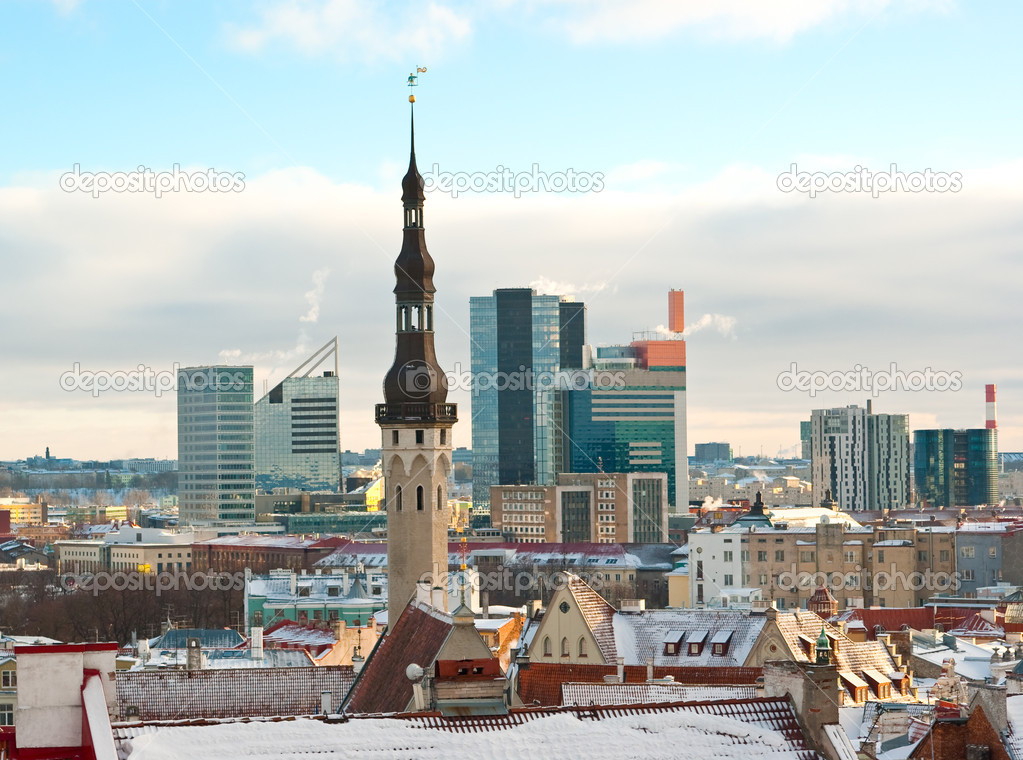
<point x="690" y="109"/>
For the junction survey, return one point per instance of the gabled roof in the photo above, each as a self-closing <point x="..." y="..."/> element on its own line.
<point x="598" y="615"/>
<point x="415" y="637"/>
<point x="640" y="636"/>
<point x="889" y="618"/>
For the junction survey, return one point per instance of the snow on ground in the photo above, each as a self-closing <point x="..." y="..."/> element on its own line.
<point x="646" y="737"/>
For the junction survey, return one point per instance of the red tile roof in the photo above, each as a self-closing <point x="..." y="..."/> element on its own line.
<point x="540" y="683"/>
<point x="415" y="637"/>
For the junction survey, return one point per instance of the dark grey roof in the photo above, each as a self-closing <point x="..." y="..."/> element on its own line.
<point x="209" y="638"/>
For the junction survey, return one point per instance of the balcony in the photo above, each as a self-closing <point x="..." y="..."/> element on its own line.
<point x="416" y="412"/>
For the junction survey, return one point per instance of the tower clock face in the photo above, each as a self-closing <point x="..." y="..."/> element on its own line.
<point x="417" y="379"/>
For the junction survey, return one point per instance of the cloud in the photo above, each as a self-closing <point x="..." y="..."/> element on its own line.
<point x="590" y="21"/>
<point x="827" y="283"/>
<point x="546" y="286"/>
<point x="352" y="29"/>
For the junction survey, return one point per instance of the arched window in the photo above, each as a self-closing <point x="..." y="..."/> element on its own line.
<point x="419" y="498"/>
<point x="440" y="498"/>
<point x="397" y="498"/>
<point x="582" y="646"/>
<point x="546" y="646"/>
<point x="564" y="647"/>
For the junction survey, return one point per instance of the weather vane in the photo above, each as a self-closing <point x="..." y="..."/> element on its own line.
<point x="413" y="83"/>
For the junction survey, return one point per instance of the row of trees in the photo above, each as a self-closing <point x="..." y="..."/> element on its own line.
<point x="39" y="603"/>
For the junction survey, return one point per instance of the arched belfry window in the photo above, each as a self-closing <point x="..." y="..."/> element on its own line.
<point x="419" y="498"/>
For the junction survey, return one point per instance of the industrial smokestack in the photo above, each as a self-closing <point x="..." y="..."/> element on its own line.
<point x="992" y="418"/>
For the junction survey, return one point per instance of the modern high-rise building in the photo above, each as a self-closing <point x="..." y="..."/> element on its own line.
<point x="415" y="420"/>
<point x="806" y="440"/>
<point x="216" y="483"/>
<point x="631" y="417"/>
<point x="956" y="468"/>
<point x="888" y="464"/>
<point x="521" y="343"/>
<point x="862" y="458"/>
<point x="297" y="432"/>
<point x="838" y="461"/>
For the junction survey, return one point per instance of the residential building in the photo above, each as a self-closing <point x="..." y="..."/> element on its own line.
<point x="603" y="507"/>
<point x="521" y="341"/>
<point x="979" y="552"/>
<point x="631" y="416"/>
<point x="129" y="549"/>
<point x="862" y="458"/>
<point x="216" y="483"/>
<point x="297" y="441"/>
<point x="956" y="468"/>
<point x="284" y="595"/>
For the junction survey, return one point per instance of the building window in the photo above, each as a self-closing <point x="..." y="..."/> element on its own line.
<point x="967" y="552"/>
<point x="440" y="498"/>
<point x="728" y="580"/>
<point x="779" y="555"/>
<point x="419" y="436"/>
<point x="921" y="556"/>
<point x="944" y="556"/>
<point x="968" y="574"/>
<point x="394" y="437"/>
<point x="582" y="647"/>
<point x="992" y="551"/>
<point x="443" y="437"/>
<point x="546" y="646"/>
<point x="761" y="556"/>
<point x="10" y="680"/>
<point x="397" y="498"/>
<point x="727" y="557"/>
<point x="564" y="647"/>
<point x="419" y="498"/>
<point x="6" y="714"/>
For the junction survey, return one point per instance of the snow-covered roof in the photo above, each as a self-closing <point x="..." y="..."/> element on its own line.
<point x="732" y="730"/>
<point x="645" y="693"/>
<point x="640" y="636"/>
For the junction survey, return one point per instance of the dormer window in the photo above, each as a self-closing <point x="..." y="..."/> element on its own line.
<point x="720" y="643"/>
<point x="673" y="642"/>
<point x="695" y="643"/>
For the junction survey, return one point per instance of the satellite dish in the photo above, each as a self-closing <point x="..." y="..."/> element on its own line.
<point x="414" y="672"/>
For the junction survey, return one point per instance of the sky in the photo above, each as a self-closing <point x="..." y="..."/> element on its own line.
<point x="690" y="120"/>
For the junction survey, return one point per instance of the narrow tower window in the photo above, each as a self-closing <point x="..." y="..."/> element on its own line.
<point x="394" y="437"/>
<point x="419" y="436"/>
<point x="397" y="498"/>
<point x="443" y="437"/>
<point x="440" y="498"/>
<point x="419" y="498"/>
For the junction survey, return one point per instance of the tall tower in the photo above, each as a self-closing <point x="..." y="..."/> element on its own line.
<point x="415" y="421"/>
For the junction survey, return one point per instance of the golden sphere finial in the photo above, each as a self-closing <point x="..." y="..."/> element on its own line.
<point x="411" y="98"/>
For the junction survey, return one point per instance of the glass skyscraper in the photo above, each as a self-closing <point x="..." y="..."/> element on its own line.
<point x="956" y="468"/>
<point x="298" y="441"/>
<point x="215" y="445"/>
<point x="520" y="342"/>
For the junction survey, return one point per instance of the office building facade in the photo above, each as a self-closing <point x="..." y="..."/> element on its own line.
<point x="297" y="440"/>
<point x="521" y="341"/>
<point x="216" y="462"/>
<point x="632" y="415"/>
<point x="956" y="468"/>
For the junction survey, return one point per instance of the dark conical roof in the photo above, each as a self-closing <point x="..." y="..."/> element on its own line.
<point x="412" y="184"/>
